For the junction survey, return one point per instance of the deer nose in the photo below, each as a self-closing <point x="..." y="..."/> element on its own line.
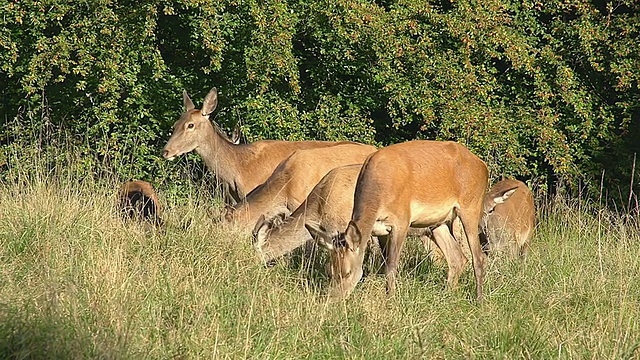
<point x="165" y="153"/>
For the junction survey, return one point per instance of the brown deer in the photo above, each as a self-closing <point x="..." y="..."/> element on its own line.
<point x="292" y="181"/>
<point x="242" y="166"/>
<point x="420" y="184"/>
<point x="327" y="208"/>
<point x="323" y="215"/>
<point x="138" y="200"/>
<point x="509" y="220"/>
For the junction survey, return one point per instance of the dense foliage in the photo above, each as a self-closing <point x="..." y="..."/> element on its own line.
<point x="541" y="90"/>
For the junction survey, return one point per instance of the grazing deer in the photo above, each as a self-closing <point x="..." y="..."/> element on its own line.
<point x="420" y="184"/>
<point x="241" y="166"/>
<point x="138" y="200"/>
<point x="323" y="215"/>
<point x="328" y="207"/>
<point x="292" y="181"/>
<point x="509" y="220"/>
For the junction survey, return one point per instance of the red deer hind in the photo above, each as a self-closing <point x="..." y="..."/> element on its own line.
<point x="322" y="216"/>
<point x="509" y="220"/>
<point x="292" y="181"/>
<point x="417" y="184"/>
<point x="241" y="166"/>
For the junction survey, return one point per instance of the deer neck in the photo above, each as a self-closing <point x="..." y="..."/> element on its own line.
<point x="292" y="230"/>
<point x="222" y="158"/>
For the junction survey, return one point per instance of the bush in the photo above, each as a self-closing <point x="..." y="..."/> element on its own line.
<point x="539" y="91"/>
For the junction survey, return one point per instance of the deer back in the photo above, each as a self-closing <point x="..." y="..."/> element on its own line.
<point x="294" y="179"/>
<point x="138" y="199"/>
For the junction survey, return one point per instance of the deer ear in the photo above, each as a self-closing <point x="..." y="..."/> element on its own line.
<point x="188" y="104"/>
<point x="504" y="196"/>
<point x="259" y="224"/>
<point x="236" y="135"/>
<point x="353" y="236"/>
<point x="210" y="102"/>
<point x="321" y="237"/>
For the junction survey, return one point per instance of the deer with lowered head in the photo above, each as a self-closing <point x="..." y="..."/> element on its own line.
<point x="138" y="200"/>
<point x="509" y="220"/>
<point x="292" y="181"/>
<point x="413" y="184"/>
<point x="327" y="208"/>
<point x="240" y="166"/>
<point x="322" y="216"/>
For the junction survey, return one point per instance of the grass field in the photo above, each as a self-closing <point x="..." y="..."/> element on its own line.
<point x="77" y="282"/>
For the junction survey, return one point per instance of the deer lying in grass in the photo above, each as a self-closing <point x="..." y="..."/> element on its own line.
<point x="509" y="220"/>
<point x="323" y="215"/>
<point x="241" y="166"/>
<point x="292" y="181"/>
<point x="138" y="200"/>
<point x="419" y="184"/>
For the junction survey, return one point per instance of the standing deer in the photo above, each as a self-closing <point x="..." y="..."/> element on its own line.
<point x="292" y="181"/>
<point x="323" y="215"/>
<point x="509" y="220"/>
<point x="420" y="184"/>
<point x="241" y="166"/>
<point x="138" y="200"/>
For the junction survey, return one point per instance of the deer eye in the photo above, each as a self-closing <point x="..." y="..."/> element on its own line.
<point x="190" y="126"/>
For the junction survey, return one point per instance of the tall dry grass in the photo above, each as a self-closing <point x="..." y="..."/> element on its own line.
<point x="78" y="282"/>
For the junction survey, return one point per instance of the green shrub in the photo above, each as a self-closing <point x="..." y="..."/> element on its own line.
<point x="540" y="91"/>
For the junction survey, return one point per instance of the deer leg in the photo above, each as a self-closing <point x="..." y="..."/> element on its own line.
<point x="470" y="222"/>
<point x="452" y="253"/>
<point x="523" y="244"/>
<point x="383" y="240"/>
<point x="524" y="250"/>
<point x="433" y="250"/>
<point x="393" y="247"/>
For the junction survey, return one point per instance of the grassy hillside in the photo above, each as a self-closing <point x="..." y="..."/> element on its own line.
<point x="77" y="282"/>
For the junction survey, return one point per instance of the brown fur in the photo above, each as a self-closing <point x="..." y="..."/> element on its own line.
<point x="138" y="200"/>
<point x="323" y="215"/>
<point x="292" y="181"/>
<point x="241" y="166"/>
<point x="328" y="207"/>
<point x="509" y="220"/>
<point x="419" y="184"/>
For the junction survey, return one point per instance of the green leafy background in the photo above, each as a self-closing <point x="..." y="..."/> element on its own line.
<point x="544" y="91"/>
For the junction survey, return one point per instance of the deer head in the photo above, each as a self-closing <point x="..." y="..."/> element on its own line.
<point x="344" y="268"/>
<point x="193" y="129"/>
<point x="491" y="200"/>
